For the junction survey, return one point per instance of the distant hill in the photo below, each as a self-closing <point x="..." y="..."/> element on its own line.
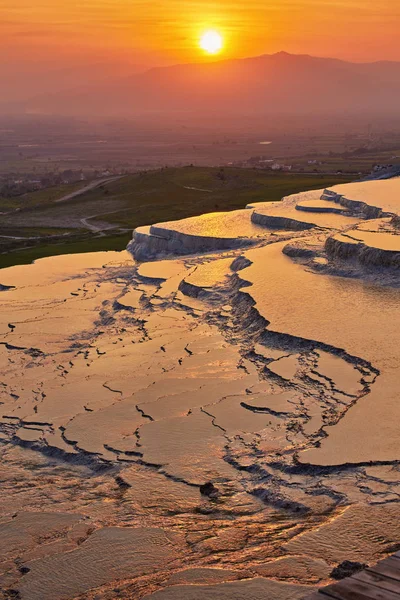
<point x="42" y="80"/>
<point x="270" y="84"/>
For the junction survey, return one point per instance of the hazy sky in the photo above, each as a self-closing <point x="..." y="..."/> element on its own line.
<point x="64" y="32"/>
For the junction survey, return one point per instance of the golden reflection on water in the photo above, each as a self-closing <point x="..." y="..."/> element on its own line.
<point x="362" y="318"/>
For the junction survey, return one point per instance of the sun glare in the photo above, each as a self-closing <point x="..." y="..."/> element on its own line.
<point x="211" y="42"/>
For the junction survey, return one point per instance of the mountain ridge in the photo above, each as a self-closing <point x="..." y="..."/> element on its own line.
<point x="268" y="83"/>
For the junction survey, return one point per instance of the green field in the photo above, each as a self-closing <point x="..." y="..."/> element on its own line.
<point x="119" y="206"/>
<point x="98" y="244"/>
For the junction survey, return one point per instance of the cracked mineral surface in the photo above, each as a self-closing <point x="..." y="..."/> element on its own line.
<point x="256" y="352"/>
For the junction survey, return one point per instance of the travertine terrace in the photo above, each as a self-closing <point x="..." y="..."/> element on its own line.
<point x="255" y="351"/>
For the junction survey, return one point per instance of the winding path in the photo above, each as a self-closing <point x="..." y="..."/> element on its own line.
<point x="91" y="186"/>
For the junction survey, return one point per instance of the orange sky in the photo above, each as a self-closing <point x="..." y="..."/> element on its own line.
<point x="166" y="31"/>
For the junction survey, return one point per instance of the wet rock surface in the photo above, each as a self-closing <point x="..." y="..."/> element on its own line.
<point x="214" y="425"/>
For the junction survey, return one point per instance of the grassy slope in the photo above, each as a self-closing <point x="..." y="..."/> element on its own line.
<point x="41" y="196"/>
<point x="147" y="198"/>
<point x="163" y="195"/>
<point x="28" y="255"/>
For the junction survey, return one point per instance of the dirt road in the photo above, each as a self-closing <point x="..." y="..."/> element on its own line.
<point x="91" y="186"/>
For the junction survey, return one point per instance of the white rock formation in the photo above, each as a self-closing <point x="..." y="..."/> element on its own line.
<point x="219" y="424"/>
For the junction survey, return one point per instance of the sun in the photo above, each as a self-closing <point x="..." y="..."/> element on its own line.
<point x="211" y="42"/>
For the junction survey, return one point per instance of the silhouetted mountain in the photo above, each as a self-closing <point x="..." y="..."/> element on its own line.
<point x="270" y="84"/>
<point x="41" y="79"/>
